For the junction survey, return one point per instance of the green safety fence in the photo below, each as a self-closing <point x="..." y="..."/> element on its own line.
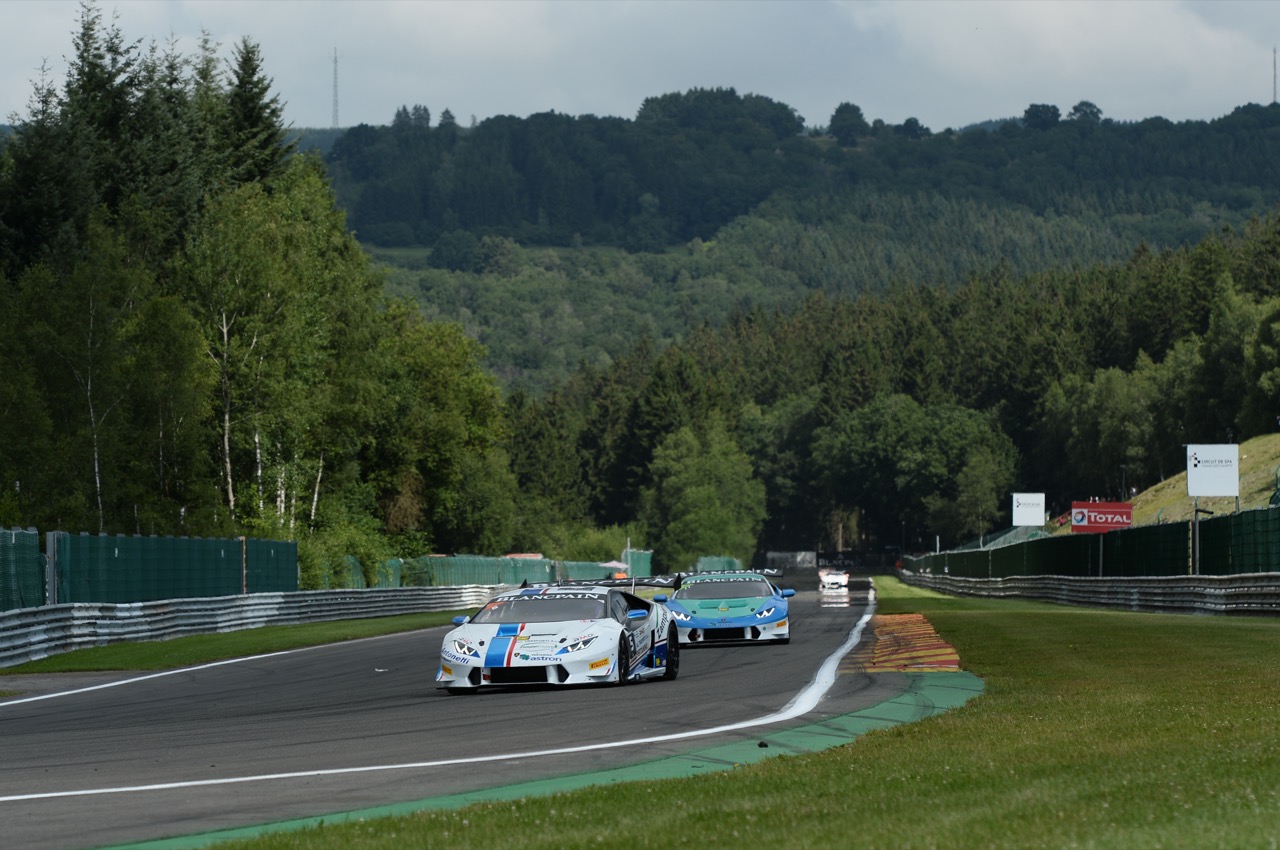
<point x="1247" y="542"/>
<point x="717" y="564"/>
<point x="586" y="570"/>
<point x="455" y="570"/>
<point x="1235" y="544"/>
<point x="640" y="561"/>
<point x="21" y="569"/>
<point x="1148" y="550"/>
<point x="121" y="568"/>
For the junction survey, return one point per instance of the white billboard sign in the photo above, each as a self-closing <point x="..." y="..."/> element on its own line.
<point x="1213" y="470"/>
<point x="1028" y="509"/>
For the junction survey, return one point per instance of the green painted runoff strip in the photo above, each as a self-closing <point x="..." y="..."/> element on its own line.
<point x="926" y="695"/>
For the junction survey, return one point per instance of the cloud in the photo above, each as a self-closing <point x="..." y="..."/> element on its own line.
<point x="947" y="63"/>
<point x="1133" y="59"/>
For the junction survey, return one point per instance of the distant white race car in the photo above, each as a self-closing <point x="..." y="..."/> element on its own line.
<point x="833" y="579"/>
<point x="565" y="634"/>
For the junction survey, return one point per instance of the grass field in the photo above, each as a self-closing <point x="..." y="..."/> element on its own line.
<point x="1097" y="729"/>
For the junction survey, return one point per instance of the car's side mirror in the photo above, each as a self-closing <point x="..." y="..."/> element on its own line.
<point x="660" y="597"/>
<point x="637" y="614"/>
<point x="458" y="621"/>
<point x="788" y="592"/>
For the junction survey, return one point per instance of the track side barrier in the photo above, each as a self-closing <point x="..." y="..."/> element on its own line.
<point x="28" y="634"/>
<point x="1250" y="593"/>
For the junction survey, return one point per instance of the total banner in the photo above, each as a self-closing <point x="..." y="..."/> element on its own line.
<point x="1098" y="517"/>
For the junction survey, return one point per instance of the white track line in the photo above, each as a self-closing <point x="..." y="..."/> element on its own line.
<point x="800" y="704"/>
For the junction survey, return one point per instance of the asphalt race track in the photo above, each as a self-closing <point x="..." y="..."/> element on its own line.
<point x="361" y="724"/>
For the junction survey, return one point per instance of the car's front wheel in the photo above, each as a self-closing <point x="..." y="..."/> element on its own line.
<point x="624" y="661"/>
<point x="673" y="653"/>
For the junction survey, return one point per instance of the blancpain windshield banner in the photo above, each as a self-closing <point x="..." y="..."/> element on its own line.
<point x="1028" y="509"/>
<point x="1213" y="470"/>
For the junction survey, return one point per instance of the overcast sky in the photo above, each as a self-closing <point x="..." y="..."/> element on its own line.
<point x="947" y="63"/>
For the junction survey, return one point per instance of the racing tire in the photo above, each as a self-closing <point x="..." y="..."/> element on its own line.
<point x="673" y="653"/>
<point x="624" y="661"/>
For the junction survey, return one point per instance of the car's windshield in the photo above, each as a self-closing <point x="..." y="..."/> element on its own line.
<point x="724" y="588"/>
<point x="541" y="609"/>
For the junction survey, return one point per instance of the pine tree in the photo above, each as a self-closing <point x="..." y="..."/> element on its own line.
<point x="255" y="129"/>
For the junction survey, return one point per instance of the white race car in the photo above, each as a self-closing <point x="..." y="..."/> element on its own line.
<point x="833" y="579"/>
<point x="563" y="634"/>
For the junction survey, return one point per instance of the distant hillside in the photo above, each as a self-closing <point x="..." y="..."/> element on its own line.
<point x="317" y="139"/>
<point x="557" y="240"/>
<point x="1259" y="466"/>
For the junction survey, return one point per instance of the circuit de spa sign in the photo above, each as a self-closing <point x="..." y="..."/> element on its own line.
<point x="1098" y="517"/>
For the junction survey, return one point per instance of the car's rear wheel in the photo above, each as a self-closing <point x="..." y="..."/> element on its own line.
<point x="673" y="653"/>
<point x="624" y="661"/>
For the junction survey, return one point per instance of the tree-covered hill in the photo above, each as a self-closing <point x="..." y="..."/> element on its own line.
<point x="708" y="332"/>
<point x="192" y="341"/>
<point x="555" y="239"/>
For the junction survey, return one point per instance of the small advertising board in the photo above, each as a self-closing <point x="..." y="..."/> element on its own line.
<point x="1099" y="517"/>
<point x="1028" y="509"/>
<point x="1213" y="470"/>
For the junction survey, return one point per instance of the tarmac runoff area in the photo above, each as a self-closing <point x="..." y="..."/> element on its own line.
<point x="905" y="644"/>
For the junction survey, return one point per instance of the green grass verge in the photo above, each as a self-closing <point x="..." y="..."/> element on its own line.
<point x="202" y="649"/>
<point x="1097" y="729"/>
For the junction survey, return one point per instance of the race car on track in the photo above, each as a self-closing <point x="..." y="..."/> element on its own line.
<point x="730" y="607"/>
<point x="563" y="634"/>
<point x="831" y="579"/>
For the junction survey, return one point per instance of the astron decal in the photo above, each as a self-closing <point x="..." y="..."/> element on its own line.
<point x="1093" y="517"/>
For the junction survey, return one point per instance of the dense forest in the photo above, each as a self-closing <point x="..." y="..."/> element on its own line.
<point x="557" y="240"/>
<point x="194" y="343"/>
<point x="858" y="339"/>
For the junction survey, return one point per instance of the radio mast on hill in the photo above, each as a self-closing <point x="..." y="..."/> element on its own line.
<point x="335" y="88"/>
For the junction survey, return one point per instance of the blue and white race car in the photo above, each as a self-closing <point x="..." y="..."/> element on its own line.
<point x="730" y="607"/>
<point x="565" y="634"/>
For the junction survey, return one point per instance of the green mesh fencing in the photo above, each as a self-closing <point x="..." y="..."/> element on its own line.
<point x="716" y="564"/>
<point x="454" y="570"/>
<point x="120" y="568"/>
<point x="640" y="560"/>
<point x="1148" y="550"/>
<point x="585" y="570"/>
<point x="391" y="574"/>
<point x="1247" y="542"/>
<point x="968" y="564"/>
<point x="21" y="569"/>
<point x="1064" y="555"/>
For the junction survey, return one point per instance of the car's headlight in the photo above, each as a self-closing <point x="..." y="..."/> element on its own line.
<point x="681" y="616"/>
<point x="764" y="612"/>
<point x="465" y="649"/>
<point x="579" y="644"/>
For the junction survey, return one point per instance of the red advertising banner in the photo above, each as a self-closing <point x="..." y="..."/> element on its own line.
<point x="1096" y="517"/>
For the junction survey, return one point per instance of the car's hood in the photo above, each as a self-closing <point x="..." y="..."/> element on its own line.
<point x="725" y="607"/>
<point x="544" y="637"/>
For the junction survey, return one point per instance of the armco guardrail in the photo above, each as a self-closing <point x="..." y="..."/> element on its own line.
<point x="27" y="634"/>
<point x="1250" y="593"/>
